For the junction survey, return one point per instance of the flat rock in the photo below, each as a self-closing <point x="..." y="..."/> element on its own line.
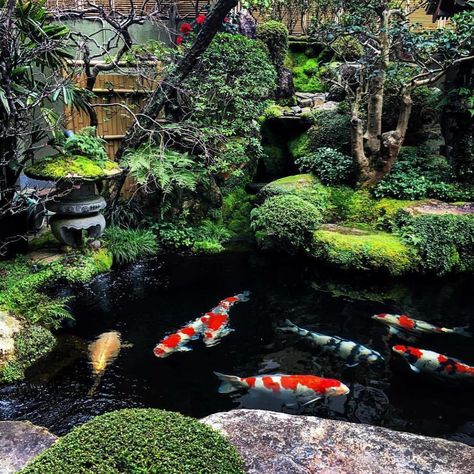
<point x="277" y="443"/>
<point x="44" y="256"/>
<point x="439" y="207"/>
<point x="20" y="442"/>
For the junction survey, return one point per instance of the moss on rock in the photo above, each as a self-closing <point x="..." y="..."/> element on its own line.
<point x="62" y="166"/>
<point x="31" y="344"/>
<point x="354" y="249"/>
<point x="139" y="440"/>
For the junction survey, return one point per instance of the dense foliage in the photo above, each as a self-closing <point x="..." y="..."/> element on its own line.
<point x="275" y="36"/>
<point x="444" y="242"/>
<point x="128" y="245"/>
<point x="285" y="221"/>
<point x="139" y="440"/>
<point x="329" y="165"/>
<point x="306" y="72"/>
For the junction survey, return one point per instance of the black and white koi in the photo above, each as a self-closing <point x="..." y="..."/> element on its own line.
<point x="352" y="352"/>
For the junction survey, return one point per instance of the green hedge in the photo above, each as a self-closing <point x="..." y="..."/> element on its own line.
<point x="139" y="441"/>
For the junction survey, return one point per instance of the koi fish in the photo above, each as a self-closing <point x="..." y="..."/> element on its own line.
<point x="216" y="321"/>
<point x="306" y="389"/>
<point x="352" y="352"/>
<point x="178" y="341"/>
<point x="404" y="323"/>
<point x="422" y="360"/>
<point x="102" y="352"/>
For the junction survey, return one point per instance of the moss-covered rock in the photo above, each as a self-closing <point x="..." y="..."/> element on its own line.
<point x="305" y="72"/>
<point x="139" y="440"/>
<point x="354" y="249"/>
<point x="62" y="167"/>
<point x="31" y="344"/>
<point x="274" y="159"/>
<point x="288" y="185"/>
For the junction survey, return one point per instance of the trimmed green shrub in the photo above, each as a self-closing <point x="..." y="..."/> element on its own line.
<point x="139" y="441"/>
<point x="286" y="222"/>
<point x="445" y="242"/>
<point x="329" y="165"/>
<point x="358" y="250"/>
<point x="348" y="48"/>
<point x="31" y="344"/>
<point x="274" y="35"/>
<point x="128" y="245"/>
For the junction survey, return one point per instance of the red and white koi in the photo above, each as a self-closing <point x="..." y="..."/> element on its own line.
<point x="216" y="321"/>
<point x="178" y="341"/>
<point x="213" y="326"/>
<point x="404" y="323"/>
<point x="305" y="389"/>
<point x="422" y="360"/>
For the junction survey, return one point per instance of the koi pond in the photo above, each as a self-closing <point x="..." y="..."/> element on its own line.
<point x="149" y="300"/>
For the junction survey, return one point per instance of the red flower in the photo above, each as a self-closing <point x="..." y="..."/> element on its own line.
<point x="200" y="19"/>
<point x="226" y="20"/>
<point x="186" y="28"/>
<point x="179" y="40"/>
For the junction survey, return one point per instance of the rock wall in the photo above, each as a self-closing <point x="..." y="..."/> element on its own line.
<point x="277" y="443"/>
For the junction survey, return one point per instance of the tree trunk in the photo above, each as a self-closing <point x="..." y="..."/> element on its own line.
<point x="357" y="140"/>
<point x="373" y="136"/>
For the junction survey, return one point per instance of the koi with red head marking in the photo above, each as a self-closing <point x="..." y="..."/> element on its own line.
<point x="178" y="341"/>
<point x="422" y="360"/>
<point x="305" y="389"/>
<point x="403" y="323"/>
<point x="216" y="321"/>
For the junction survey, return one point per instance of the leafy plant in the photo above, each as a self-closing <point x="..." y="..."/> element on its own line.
<point x="274" y="35"/>
<point x="329" y="165"/>
<point x="86" y="143"/>
<point x="128" y="245"/>
<point x="285" y="221"/>
<point x="139" y="441"/>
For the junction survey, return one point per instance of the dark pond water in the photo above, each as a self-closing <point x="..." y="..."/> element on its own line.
<point x="148" y="300"/>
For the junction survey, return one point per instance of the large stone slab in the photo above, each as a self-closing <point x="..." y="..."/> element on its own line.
<point x="277" y="443"/>
<point x="20" y="442"/>
<point x="9" y="326"/>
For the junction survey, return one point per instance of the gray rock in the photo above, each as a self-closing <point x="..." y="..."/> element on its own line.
<point x="296" y="109"/>
<point x="304" y="95"/>
<point x="305" y="102"/>
<point x="9" y="326"/>
<point x="20" y="442"/>
<point x="277" y="443"/>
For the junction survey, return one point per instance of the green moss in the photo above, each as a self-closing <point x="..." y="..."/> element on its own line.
<point x="273" y="111"/>
<point x="299" y="146"/>
<point x="377" y="251"/>
<point x="305" y="72"/>
<point x="388" y="208"/>
<point x="61" y="166"/>
<point x="31" y="344"/>
<point x="236" y="210"/>
<point x="274" y="159"/>
<point x="43" y="240"/>
<point x="139" y="441"/>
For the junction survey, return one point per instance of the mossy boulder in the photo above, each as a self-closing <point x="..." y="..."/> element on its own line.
<point x="139" y="441"/>
<point x="288" y="185"/>
<point x="354" y="249"/>
<point x="72" y="167"/>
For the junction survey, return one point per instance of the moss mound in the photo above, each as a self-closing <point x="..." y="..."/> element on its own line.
<point x="359" y="250"/>
<point x="62" y="166"/>
<point x="305" y="72"/>
<point x="139" y="441"/>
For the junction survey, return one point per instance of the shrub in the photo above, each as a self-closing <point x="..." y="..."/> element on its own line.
<point x="275" y="36"/>
<point x="286" y="222"/>
<point x="358" y="250"/>
<point x="128" y="245"/>
<point x="31" y="344"/>
<point x="348" y="48"/>
<point x="139" y="440"/>
<point x="226" y="91"/>
<point x="331" y="129"/>
<point x="86" y="143"/>
<point x="418" y="174"/>
<point x="445" y="242"/>
<point x="329" y="165"/>
<point x="209" y="237"/>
